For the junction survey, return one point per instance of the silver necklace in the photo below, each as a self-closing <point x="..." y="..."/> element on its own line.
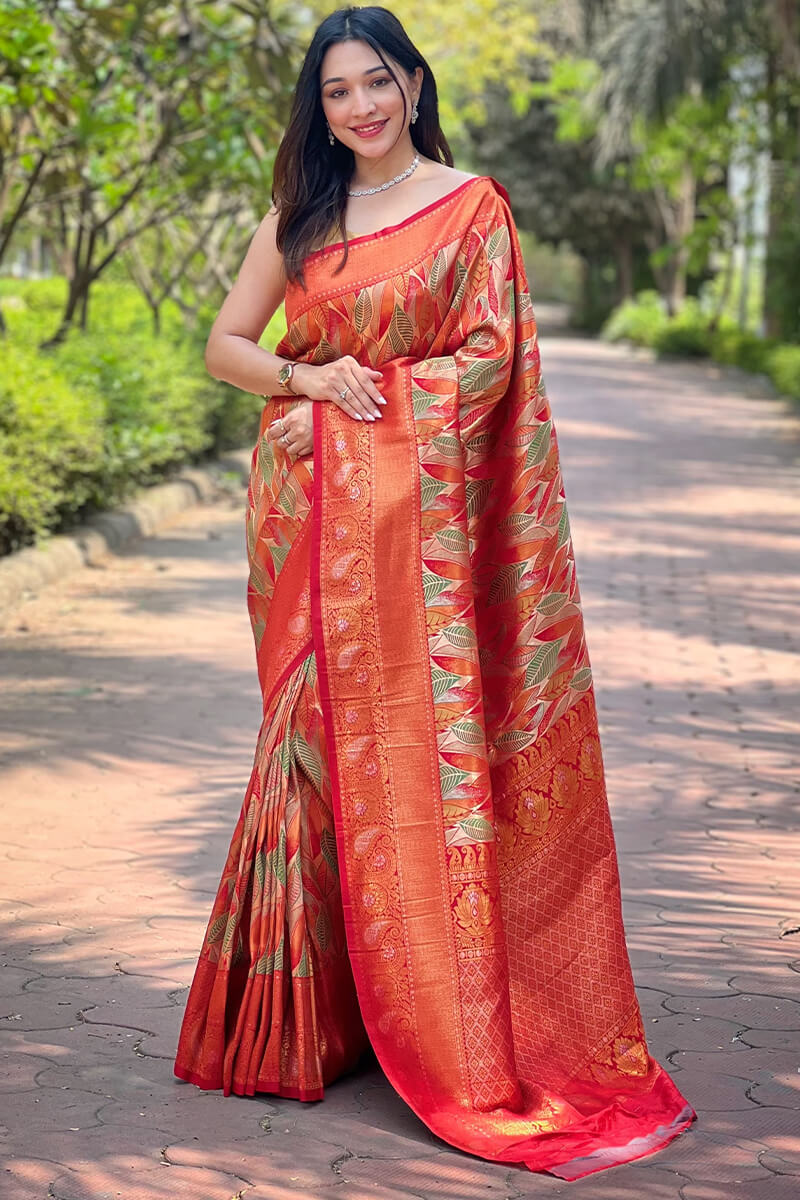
<point x="383" y="186"/>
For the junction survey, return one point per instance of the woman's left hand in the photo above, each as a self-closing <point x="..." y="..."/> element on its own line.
<point x="295" y="430"/>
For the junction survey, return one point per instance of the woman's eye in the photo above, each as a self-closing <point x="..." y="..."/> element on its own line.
<point x="340" y="91"/>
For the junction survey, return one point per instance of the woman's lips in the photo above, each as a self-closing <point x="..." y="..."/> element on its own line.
<point x="368" y="131"/>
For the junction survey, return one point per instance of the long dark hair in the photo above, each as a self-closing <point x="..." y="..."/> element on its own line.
<point x="310" y="177"/>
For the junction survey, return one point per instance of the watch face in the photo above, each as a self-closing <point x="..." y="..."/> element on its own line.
<point x="284" y="373"/>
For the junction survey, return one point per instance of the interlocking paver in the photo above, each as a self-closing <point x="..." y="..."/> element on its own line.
<point x="130" y="714"/>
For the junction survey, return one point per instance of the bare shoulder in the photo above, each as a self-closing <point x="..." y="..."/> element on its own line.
<point x="448" y="177"/>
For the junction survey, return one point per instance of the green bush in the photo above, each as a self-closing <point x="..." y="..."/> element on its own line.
<point x="85" y="423"/>
<point x="783" y="366"/>
<point x="641" y="320"/>
<point x="741" y="348"/>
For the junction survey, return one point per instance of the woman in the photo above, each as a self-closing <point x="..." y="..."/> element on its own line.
<point x="424" y="860"/>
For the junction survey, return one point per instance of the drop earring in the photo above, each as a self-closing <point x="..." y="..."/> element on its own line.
<point x="331" y="138"/>
<point x="414" y="113"/>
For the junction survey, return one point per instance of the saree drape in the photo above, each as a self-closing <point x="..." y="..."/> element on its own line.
<point x="425" y="861"/>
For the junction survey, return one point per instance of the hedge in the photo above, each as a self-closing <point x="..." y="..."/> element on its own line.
<point x="644" y="322"/>
<point x="112" y="408"/>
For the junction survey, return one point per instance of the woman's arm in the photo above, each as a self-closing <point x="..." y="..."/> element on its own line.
<point x="233" y="353"/>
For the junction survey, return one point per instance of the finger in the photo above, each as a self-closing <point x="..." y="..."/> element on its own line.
<point x="370" y="385"/>
<point x="361" y="399"/>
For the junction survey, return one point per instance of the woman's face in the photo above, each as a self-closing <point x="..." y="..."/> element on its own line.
<point x="361" y="101"/>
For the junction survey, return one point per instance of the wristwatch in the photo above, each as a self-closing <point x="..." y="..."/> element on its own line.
<point x="285" y="376"/>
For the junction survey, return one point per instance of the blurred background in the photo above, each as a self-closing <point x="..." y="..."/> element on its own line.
<point x="651" y="149"/>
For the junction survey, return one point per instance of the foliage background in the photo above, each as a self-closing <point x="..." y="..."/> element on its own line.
<point x="651" y="149"/>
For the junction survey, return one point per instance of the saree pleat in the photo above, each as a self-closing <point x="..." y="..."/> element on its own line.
<point x="425" y="861"/>
<point x="272" y="1006"/>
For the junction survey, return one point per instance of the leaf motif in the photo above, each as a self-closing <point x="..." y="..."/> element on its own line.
<point x="479" y="442"/>
<point x="279" y="860"/>
<point x="328" y="847"/>
<point x="454" y="540"/>
<point x="308" y="761"/>
<point x="261" y="868"/>
<point x="442" y="681"/>
<point x="287" y="500"/>
<point x="302" y="970"/>
<point x="477" y="827"/>
<point x="469" y="732"/>
<point x="552" y="603"/>
<point x="279" y="552"/>
<point x="479" y="375"/>
<point x="421" y="400"/>
<point x="581" y="680"/>
<point x="477" y="492"/>
<point x="230" y="929"/>
<point x="266" y="964"/>
<point x="433" y="586"/>
<point x="460" y="636"/>
<point x="362" y="313"/>
<point x="217" y="928"/>
<point x="266" y="458"/>
<point x="430" y="488"/>
<point x="543" y="663"/>
<point x="540" y="445"/>
<point x="498" y="243"/>
<point x="323" y="930"/>
<point x="401" y="331"/>
<point x="515" y="739"/>
<point x="438" y="271"/>
<point x="563" y="528"/>
<point x="450" y="778"/>
<point x="447" y="445"/>
<point x="505" y="583"/>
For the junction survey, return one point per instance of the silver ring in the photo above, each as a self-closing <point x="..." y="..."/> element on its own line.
<point x="285" y="440"/>
<point x="283" y="427"/>
<point x="344" y="391"/>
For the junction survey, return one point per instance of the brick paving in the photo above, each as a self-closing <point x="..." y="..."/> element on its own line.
<point x="130" y="712"/>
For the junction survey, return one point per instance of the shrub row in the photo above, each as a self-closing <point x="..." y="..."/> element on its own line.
<point x="112" y="408"/>
<point x="645" y="322"/>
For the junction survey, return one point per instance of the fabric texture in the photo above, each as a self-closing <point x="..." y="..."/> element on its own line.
<point x="425" y="860"/>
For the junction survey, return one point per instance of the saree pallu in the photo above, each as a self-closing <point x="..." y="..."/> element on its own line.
<point x="425" y="861"/>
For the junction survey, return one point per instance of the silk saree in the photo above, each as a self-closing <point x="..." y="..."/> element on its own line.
<point x="424" y="862"/>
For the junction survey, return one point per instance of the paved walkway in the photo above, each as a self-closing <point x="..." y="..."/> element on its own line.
<point x="130" y="716"/>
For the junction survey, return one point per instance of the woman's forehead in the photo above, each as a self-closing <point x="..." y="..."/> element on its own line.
<point x="349" y="60"/>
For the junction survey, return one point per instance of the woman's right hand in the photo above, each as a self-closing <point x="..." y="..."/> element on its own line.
<point x="326" y="381"/>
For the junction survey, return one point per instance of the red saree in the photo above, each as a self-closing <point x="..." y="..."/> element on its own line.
<point x="424" y="857"/>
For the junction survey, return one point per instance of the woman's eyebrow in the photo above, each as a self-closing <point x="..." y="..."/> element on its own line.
<point x="339" y="79"/>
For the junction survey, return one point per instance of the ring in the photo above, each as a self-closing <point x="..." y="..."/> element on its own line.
<point x="344" y="391"/>
<point x="283" y="427"/>
<point x="285" y="440"/>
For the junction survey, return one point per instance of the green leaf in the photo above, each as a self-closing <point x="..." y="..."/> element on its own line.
<point x="454" y="540"/>
<point x="433" y="586"/>
<point x="479" y="375"/>
<point x="477" y="492"/>
<point x="505" y="583"/>
<point x="540" y="445"/>
<point x="447" y="445"/>
<point x="563" y="528"/>
<point x="460" y="636"/>
<point x="581" y="681"/>
<point x="328" y="848"/>
<point x="543" y="663"/>
<point x="469" y="732"/>
<point x="552" y="603"/>
<point x="261" y="868"/>
<point x="217" y="928"/>
<point x="430" y="488"/>
<point x="478" y="828"/>
<point x="442" y="681"/>
<point x="450" y="778"/>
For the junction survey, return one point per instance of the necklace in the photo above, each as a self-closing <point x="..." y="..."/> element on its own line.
<point x="383" y="186"/>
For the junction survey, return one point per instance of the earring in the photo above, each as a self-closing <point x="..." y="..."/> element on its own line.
<point x="414" y="113"/>
<point x="331" y="138"/>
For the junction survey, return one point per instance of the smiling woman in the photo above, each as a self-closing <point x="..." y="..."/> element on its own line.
<point x="424" y="861"/>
